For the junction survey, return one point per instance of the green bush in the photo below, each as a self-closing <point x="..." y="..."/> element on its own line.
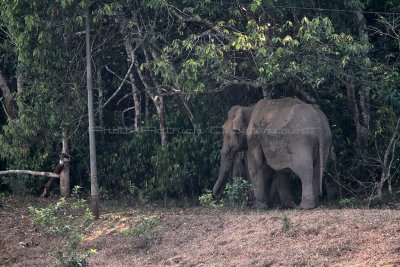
<point x="286" y="222"/>
<point x="69" y="221"/>
<point x="146" y="229"/>
<point x="237" y="192"/>
<point x="207" y="200"/>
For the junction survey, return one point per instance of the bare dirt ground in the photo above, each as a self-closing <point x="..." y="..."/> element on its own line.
<point x="209" y="237"/>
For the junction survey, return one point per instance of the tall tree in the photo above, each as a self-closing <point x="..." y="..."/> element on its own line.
<point x="94" y="187"/>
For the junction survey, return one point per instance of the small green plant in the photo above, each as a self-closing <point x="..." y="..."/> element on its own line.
<point x="146" y="228"/>
<point x="207" y="200"/>
<point x="286" y="222"/>
<point x="68" y="220"/>
<point x="237" y="192"/>
<point x="133" y="189"/>
<point x="128" y="232"/>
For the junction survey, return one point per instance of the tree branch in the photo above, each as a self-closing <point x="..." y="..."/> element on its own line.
<point x="35" y="173"/>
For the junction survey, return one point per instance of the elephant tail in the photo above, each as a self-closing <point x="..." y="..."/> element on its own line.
<point x="321" y="159"/>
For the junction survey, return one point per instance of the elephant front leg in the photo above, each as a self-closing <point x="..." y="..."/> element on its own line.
<point x="258" y="175"/>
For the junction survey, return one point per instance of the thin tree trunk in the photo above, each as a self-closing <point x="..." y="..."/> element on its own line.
<point x="361" y="120"/>
<point x="136" y="102"/>
<point x="365" y="107"/>
<point x="9" y="103"/>
<point x="64" y="159"/>
<point x="188" y="110"/>
<point x="65" y="182"/>
<point x="94" y="187"/>
<point x="130" y="51"/>
<point x="155" y="56"/>
<point x="99" y="82"/>
<point x="266" y="95"/>
<point x="20" y="82"/>
<point x="364" y="93"/>
<point x="388" y="159"/>
<point x="146" y="108"/>
<point x="157" y="97"/>
<point x="100" y="97"/>
<point x="159" y="103"/>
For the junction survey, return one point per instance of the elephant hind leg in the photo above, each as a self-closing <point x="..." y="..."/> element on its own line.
<point x="309" y="195"/>
<point x="317" y="180"/>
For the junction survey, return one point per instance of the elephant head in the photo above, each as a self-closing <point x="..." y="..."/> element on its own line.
<point x="234" y="132"/>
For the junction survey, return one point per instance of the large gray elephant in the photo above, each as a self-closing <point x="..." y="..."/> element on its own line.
<point x="279" y="136"/>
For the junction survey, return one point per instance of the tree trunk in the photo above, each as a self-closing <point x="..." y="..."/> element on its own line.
<point x="20" y="82"/>
<point x="388" y="159"/>
<point x="364" y="115"/>
<point x="94" y="187"/>
<point x="130" y="51"/>
<point x="136" y="102"/>
<point x="100" y="97"/>
<point x="9" y="104"/>
<point x="159" y="103"/>
<point x="265" y="93"/>
<point x="146" y="108"/>
<point x="361" y="119"/>
<point x="99" y="83"/>
<point x="65" y="182"/>
<point x="158" y="100"/>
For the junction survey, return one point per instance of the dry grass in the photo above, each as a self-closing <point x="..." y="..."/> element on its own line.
<point x="206" y="237"/>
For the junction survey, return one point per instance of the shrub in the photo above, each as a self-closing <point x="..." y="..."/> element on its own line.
<point x="286" y="222"/>
<point x="146" y="229"/>
<point x="207" y="200"/>
<point x="237" y="192"/>
<point x="68" y="220"/>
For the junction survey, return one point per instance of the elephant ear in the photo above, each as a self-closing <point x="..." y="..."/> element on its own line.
<point x="238" y="121"/>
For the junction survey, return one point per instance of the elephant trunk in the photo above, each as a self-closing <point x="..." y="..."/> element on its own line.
<point x="227" y="159"/>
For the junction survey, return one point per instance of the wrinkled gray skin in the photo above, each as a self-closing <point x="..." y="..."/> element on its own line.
<point x="282" y="135"/>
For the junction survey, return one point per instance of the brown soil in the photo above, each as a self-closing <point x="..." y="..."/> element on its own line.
<point x="210" y="237"/>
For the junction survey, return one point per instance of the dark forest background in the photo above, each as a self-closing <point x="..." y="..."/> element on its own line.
<point x="176" y="67"/>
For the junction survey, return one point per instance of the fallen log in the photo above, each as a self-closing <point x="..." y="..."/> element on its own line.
<point x="35" y="173"/>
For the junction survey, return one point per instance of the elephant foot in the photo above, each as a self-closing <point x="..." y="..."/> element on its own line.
<point x="288" y="205"/>
<point x="306" y="206"/>
<point x="259" y="206"/>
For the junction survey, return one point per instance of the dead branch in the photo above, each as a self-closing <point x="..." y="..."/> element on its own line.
<point x="35" y="173"/>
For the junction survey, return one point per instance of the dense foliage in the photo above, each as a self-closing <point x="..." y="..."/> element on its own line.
<point x="166" y="73"/>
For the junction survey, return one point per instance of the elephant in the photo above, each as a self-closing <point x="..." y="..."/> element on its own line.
<point x="279" y="136"/>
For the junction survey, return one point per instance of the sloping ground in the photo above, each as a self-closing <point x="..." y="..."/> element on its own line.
<point x="207" y="237"/>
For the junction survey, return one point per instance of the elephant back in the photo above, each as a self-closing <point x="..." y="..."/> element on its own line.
<point x="272" y="115"/>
